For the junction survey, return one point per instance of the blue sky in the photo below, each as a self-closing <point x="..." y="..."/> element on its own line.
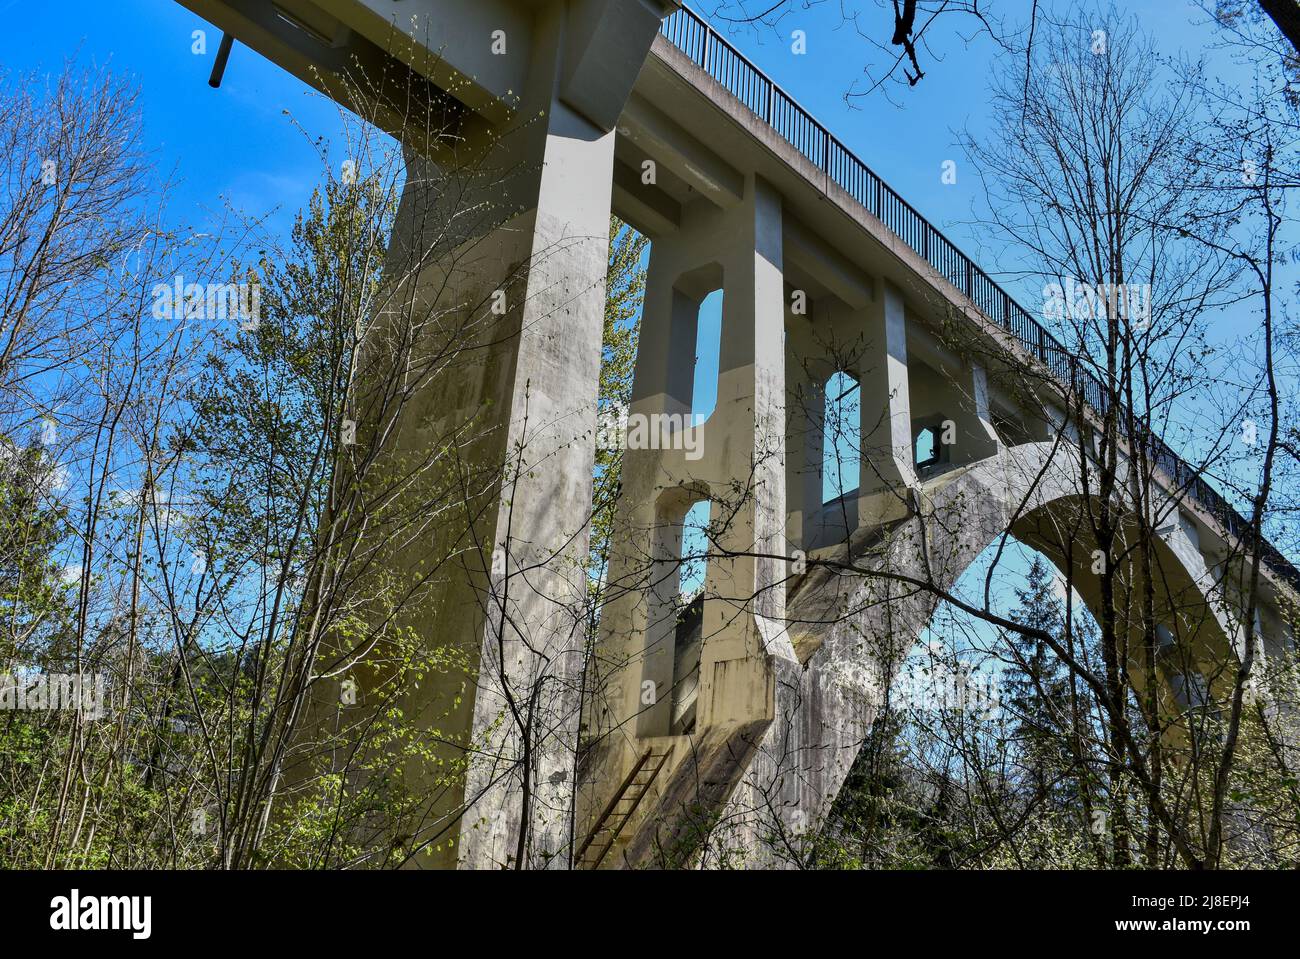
<point x="907" y="135"/>
<point x="238" y="142"/>
<point x="234" y="144"/>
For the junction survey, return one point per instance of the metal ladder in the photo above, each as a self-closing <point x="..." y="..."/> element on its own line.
<point x="612" y="820"/>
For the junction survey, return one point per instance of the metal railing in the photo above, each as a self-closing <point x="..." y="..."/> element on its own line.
<point x="710" y="51"/>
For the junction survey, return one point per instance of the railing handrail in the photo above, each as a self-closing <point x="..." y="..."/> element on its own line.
<point x="683" y="25"/>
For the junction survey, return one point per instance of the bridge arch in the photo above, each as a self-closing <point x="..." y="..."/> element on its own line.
<point x="851" y="631"/>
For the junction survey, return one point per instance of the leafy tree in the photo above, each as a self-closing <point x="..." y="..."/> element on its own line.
<point x="625" y="288"/>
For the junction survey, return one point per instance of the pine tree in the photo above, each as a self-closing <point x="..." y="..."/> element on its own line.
<point x="1037" y="685"/>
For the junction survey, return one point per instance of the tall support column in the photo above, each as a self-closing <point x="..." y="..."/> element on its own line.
<point x="477" y="398"/>
<point x="637" y="624"/>
<point x="805" y="425"/>
<point x="888" y="470"/>
<point x="737" y="459"/>
<point x="532" y="641"/>
<point x="745" y="596"/>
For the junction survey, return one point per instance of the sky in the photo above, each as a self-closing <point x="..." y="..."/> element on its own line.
<point x="235" y="145"/>
<point x="249" y="144"/>
<point x="906" y="134"/>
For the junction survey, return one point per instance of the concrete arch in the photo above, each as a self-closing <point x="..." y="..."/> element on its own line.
<point x="851" y="632"/>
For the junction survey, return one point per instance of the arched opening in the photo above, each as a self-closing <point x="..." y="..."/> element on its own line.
<point x="926" y="447"/>
<point x="679" y="571"/>
<point x="841" y="437"/>
<point x="985" y="752"/>
<point x="1056" y="773"/>
<point x="695" y="550"/>
<point x="708" y="346"/>
<point x="628" y="256"/>
<point x="689" y="634"/>
<point x="994" y="743"/>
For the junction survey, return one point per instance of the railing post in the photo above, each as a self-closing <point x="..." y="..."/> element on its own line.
<point x="970" y="279"/>
<point x="771" y="97"/>
<point x="704" y="56"/>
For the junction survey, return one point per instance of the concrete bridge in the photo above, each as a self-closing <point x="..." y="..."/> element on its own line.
<point x="739" y="715"/>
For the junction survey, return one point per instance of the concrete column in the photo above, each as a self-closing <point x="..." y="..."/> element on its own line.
<point x="975" y="436"/>
<point x="740" y="463"/>
<point x="534" y="633"/>
<point x="1058" y="424"/>
<point x="636" y="629"/>
<point x="663" y="604"/>
<point x="498" y="261"/>
<point x="805" y="414"/>
<point x="744" y="593"/>
<point x="805" y="424"/>
<point x="888" y="471"/>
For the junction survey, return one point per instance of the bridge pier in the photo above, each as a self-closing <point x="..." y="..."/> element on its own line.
<point x="736" y="461"/>
<point x="532" y="629"/>
<point x="476" y="398"/>
<point x="888" y="469"/>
